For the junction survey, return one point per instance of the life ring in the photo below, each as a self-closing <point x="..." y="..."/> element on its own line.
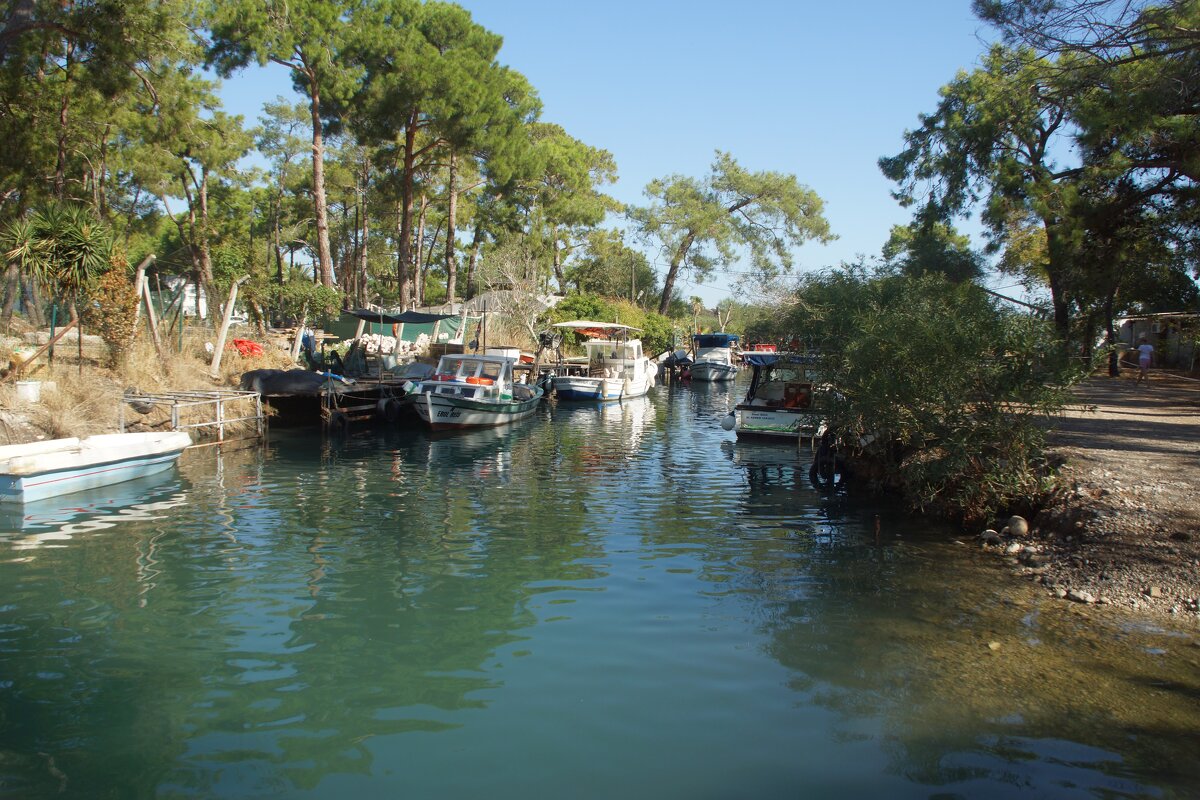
<point x="480" y="381"/>
<point x="389" y="410"/>
<point x="442" y="376"/>
<point x="338" y="423"/>
<point x="828" y="469"/>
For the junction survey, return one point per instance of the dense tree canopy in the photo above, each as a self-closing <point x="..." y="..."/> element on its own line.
<point x="700" y="225"/>
<point x="1078" y="143"/>
<point x="409" y="154"/>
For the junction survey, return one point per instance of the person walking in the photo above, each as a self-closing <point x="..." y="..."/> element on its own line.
<point x="1145" y="352"/>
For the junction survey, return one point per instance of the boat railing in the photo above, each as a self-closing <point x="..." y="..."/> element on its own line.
<point x="208" y="414"/>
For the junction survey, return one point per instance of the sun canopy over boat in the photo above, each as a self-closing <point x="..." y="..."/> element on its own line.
<point x="769" y="359"/>
<point x="715" y="339"/>
<point x="594" y="329"/>
<point x="384" y="318"/>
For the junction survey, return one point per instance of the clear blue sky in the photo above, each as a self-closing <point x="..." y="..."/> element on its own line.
<point x="818" y="90"/>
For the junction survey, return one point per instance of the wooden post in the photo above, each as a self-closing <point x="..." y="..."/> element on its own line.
<point x="151" y="319"/>
<point x="138" y="281"/>
<point x="20" y="368"/>
<point x="299" y="333"/>
<point x="214" y="371"/>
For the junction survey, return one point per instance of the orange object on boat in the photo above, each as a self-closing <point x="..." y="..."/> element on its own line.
<point x="480" y="381"/>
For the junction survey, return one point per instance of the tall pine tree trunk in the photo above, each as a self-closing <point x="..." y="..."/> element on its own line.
<point x="476" y="243"/>
<point x="60" y="166"/>
<point x="406" y="205"/>
<point x="401" y="254"/>
<point x="451" y="256"/>
<point x="364" y="229"/>
<point x="669" y="282"/>
<point x="419" y="266"/>
<point x="324" y="256"/>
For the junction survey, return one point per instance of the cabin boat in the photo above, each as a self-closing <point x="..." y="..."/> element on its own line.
<point x="38" y="470"/>
<point x="615" y="367"/>
<point x="713" y="357"/>
<point x="472" y="391"/>
<point x="782" y="401"/>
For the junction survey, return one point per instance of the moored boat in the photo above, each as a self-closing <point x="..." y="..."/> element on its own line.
<point x="713" y="357"/>
<point x="782" y="399"/>
<point x="615" y="368"/>
<point x="35" y="471"/>
<point x="470" y="391"/>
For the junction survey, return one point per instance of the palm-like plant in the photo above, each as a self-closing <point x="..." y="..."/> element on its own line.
<point x="64" y="247"/>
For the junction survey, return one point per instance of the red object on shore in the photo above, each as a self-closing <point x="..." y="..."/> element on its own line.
<point x="247" y="348"/>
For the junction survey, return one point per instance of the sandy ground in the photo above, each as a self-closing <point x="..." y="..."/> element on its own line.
<point x="1125" y="527"/>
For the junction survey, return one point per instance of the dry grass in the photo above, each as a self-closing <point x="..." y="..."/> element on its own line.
<point x="81" y="400"/>
<point x="504" y="332"/>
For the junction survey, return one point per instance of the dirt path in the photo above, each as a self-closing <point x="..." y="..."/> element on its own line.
<point x="1126" y="527"/>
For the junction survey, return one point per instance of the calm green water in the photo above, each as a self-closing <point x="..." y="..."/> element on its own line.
<point x="601" y="602"/>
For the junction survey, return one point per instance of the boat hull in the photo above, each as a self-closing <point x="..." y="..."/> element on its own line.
<point x="90" y="463"/>
<point x="778" y="423"/>
<point x="713" y="372"/>
<point x="446" y="412"/>
<point x="574" y="387"/>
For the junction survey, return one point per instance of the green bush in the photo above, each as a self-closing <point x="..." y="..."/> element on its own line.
<point x="944" y="393"/>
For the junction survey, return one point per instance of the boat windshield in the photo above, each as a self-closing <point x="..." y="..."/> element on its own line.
<point x="473" y="368"/>
<point x="790" y="372"/>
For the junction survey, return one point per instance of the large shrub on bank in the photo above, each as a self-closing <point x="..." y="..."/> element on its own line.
<point x="111" y="310"/>
<point x="943" y="392"/>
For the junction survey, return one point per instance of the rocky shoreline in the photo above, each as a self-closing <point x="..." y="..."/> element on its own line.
<point x="1123" y="528"/>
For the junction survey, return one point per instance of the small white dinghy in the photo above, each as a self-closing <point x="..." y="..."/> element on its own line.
<point x="38" y="470"/>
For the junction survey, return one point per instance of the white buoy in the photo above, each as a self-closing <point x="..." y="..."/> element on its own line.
<point x="727" y="422"/>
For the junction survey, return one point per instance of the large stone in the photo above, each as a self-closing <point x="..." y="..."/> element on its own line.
<point x="1017" y="526"/>
<point x="1080" y="596"/>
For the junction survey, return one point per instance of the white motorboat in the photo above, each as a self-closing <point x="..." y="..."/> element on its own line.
<point x="615" y="367"/>
<point x="35" y="471"/>
<point x="783" y="398"/>
<point x="712" y="357"/>
<point x="470" y="391"/>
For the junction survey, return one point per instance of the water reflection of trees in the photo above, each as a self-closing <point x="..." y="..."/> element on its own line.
<point x="314" y="598"/>
<point x="293" y="616"/>
<point x="891" y="624"/>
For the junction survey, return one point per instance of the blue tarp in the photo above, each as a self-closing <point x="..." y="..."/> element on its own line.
<point x="715" y="339"/>
<point x="770" y="359"/>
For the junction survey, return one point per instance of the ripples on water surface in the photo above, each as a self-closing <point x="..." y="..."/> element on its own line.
<point x="603" y="601"/>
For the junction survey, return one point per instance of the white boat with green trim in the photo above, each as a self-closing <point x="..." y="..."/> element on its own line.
<point x="783" y="399"/>
<point x="472" y="391"/>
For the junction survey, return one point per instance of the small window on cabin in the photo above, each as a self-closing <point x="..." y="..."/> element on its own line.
<point x="797" y="395"/>
<point x="492" y="370"/>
